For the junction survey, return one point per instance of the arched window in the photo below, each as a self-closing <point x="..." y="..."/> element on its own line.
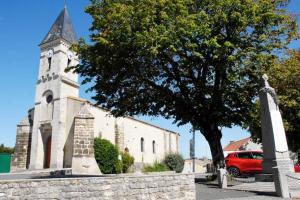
<point x="49" y="98"/>
<point x="70" y="58"/>
<point x="142" y="145"/>
<point x="49" y="63"/>
<point x="48" y="102"/>
<point x="153" y="147"/>
<point x="69" y="62"/>
<point x="49" y="56"/>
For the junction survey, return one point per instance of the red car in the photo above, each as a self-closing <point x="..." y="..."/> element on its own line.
<point x="297" y="168"/>
<point x="246" y="162"/>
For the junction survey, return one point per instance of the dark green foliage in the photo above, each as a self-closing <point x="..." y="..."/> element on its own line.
<point x="4" y="149"/>
<point x="156" y="167"/>
<point x="127" y="161"/>
<point x="106" y="155"/>
<point x="175" y="162"/>
<point x="196" y="62"/>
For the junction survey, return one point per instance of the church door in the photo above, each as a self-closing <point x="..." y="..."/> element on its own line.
<point x="48" y="153"/>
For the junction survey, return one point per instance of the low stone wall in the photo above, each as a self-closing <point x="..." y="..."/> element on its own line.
<point x="120" y="187"/>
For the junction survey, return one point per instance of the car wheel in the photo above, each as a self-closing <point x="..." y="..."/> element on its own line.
<point x="234" y="171"/>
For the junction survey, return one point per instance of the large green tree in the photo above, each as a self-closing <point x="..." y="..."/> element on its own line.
<point x="285" y="79"/>
<point x="194" y="61"/>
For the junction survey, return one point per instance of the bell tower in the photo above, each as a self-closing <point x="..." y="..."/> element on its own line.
<point x="53" y="86"/>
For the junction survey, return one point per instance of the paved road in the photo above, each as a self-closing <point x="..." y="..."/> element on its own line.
<point x="212" y="192"/>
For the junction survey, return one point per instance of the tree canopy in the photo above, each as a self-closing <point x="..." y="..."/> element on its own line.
<point x="4" y="149"/>
<point x="194" y="61"/>
<point x="285" y="79"/>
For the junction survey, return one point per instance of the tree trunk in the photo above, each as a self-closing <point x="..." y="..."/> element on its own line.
<point x="213" y="136"/>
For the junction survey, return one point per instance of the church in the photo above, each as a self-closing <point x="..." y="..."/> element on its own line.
<point x="59" y="131"/>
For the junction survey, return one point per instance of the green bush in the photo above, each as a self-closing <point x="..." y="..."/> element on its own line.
<point x="106" y="155"/>
<point x="127" y="161"/>
<point x="175" y="162"/>
<point x="156" y="167"/>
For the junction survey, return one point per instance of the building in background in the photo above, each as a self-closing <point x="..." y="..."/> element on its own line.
<point x="200" y="165"/>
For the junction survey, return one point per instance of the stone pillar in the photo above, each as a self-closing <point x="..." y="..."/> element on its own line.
<point x="83" y="160"/>
<point x="170" y="142"/>
<point x="273" y="135"/>
<point x="165" y="143"/>
<point x="58" y="133"/>
<point x="276" y="155"/>
<point x="21" y="157"/>
<point x="119" y="136"/>
<point x="177" y="143"/>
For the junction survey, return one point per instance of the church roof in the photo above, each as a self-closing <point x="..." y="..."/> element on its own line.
<point x="62" y="28"/>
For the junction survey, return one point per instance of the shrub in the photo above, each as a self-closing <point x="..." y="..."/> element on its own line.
<point x="174" y="161"/>
<point x="156" y="167"/>
<point x="106" y="155"/>
<point x="127" y="161"/>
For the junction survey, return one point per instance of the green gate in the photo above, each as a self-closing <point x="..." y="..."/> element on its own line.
<point x="5" y="159"/>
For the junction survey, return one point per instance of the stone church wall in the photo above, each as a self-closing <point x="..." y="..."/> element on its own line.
<point x="135" y="130"/>
<point x="132" y="131"/>
<point x="104" y="124"/>
<point x="158" y="186"/>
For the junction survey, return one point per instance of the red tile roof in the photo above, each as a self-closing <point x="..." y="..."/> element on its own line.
<point x="236" y="146"/>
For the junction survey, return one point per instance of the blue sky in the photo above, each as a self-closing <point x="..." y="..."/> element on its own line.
<point x="23" y="24"/>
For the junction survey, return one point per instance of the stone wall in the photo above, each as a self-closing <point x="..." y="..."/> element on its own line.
<point x="20" y="160"/>
<point x="120" y="187"/>
<point x="83" y="137"/>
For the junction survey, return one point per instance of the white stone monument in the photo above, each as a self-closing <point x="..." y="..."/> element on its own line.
<point x="276" y="154"/>
<point x="273" y="135"/>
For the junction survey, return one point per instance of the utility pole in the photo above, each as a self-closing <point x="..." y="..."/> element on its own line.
<point x="192" y="149"/>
